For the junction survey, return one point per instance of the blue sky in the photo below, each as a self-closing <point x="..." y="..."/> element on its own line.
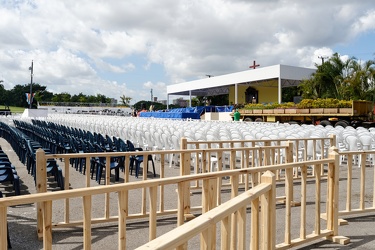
<point x="129" y="47"/>
<point x="362" y="47"/>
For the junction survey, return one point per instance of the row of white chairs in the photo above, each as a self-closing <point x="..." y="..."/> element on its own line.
<point x="159" y="134"/>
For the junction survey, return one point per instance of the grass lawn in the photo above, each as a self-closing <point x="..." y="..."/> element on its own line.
<point x="16" y="109"/>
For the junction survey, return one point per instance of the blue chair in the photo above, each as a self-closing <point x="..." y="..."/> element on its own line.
<point x="115" y="164"/>
<point x="8" y="238"/>
<point x="55" y="170"/>
<point x="7" y="174"/>
<point x="138" y="159"/>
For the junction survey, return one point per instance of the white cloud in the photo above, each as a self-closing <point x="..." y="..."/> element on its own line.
<point x="91" y="46"/>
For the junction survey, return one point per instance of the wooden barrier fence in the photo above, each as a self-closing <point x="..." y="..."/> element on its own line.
<point x="209" y="193"/>
<point x="141" y="212"/>
<point x="354" y="201"/>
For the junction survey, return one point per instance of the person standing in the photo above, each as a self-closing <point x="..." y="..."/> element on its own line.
<point x="236" y="115"/>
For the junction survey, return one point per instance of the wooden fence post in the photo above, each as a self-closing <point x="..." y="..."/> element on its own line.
<point x="333" y="202"/>
<point x="123" y="212"/>
<point x="185" y="170"/>
<point x="3" y="228"/>
<point x="41" y="187"/>
<point x="268" y="210"/>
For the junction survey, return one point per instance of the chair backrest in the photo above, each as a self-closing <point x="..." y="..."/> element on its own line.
<point x="366" y="141"/>
<point x="130" y="146"/>
<point x="352" y="142"/>
<point x="6" y="174"/>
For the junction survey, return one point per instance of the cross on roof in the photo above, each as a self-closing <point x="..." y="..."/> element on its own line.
<point x="254" y="65"/>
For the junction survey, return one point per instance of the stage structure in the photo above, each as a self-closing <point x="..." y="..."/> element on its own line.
<point x="253" y="85"/>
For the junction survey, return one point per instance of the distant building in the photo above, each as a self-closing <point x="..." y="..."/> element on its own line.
<point x="164" y="102"/>
<point x="181" y="102"/>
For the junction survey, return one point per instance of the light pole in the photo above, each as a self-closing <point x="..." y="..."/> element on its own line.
<point x="31" y="83"/>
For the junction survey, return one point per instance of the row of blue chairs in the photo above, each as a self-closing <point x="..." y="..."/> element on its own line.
<point x="8" y="172"/>
<point x="25" y="148"/>
<point x="80" y="141"/>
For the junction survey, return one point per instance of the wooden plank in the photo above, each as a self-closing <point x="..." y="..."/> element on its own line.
<point x="153" y="209"/>
<point x="47" y="225"/>
<point x="3" y="228"/>
<point x="66" y="187"/>
<point x="255" y="227"/>
<point x="363" y="182"/>
<point x="317" y="198"/>
<point x="87" y="222"/>
<point x="288" y="203"/>
<point x="88" y="171"/>
<point x="41" y="187"/>
<point x="225" y="233"/>
<point x="242" y="228"/>
<point x="234" y="193"/>
<point x="185" y="232"/>
<point x="302" y="234"/>
<point x="123" y="211"/>
<point x="349" y="186"/>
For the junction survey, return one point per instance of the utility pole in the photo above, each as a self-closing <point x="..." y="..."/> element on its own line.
<point x="31" y="83"/>
<point x="323" y="57"/>
<point x="152" y="97"/>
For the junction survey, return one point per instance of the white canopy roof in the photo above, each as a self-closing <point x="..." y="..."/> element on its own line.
<point x="287" y="76"/>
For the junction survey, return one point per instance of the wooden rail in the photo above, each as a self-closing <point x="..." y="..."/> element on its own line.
<point x="162" y="167"/>
<point x="182" y="200"/>
<point x="364" y="160"/>
<point x="260" y="196"/>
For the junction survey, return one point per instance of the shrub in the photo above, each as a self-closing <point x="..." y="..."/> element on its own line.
<point x="304" y="104"/>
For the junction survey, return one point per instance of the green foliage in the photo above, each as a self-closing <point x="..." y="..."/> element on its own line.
<point x="254" y="106"/>
<point x="157" y="105"/>
<point x="289" y="93"/>
<point x="219" y="100"/>
<point x="125" y="100"/>
<point x="304" y="104"/>
<point x="343" y="80"/>
<point x="344" y="104"/>
<point x="273" y="105"/>
<point x="16" y="97"/>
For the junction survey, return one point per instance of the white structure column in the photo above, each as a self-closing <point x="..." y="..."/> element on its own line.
<point x="235" y="93"/>
<point x="189" y="98"/>
<point x="279" y="89"/>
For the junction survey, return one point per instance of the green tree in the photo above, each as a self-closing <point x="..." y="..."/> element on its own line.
<point x="340" y="79"/>
<point x="62" y="97"/>
<point x="125" y="100"/>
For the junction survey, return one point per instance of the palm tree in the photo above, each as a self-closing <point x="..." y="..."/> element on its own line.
<point x="341" y="79"/>
<point x="125" y="100"/>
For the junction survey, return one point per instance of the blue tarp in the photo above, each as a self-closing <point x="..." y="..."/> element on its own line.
<point x="171" y="115"/>
<point x="185" y="113"/>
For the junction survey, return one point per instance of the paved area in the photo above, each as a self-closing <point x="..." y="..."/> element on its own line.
<point x="22" y="223"/>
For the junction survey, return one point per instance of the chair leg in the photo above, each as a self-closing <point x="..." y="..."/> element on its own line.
<point x="117" y="174"/>
<point x="137" y="167"/>
<point x="153" y="164"/>
<point x="61" y="177"/>
<point x="8" y="238"/>
<point x="131" y="163"/>
<point x="16" y="186"/>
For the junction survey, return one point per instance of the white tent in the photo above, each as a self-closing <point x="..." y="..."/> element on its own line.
<point x="286" y="76"/>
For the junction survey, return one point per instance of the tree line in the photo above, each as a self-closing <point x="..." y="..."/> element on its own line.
<point x="17" y="96"/>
